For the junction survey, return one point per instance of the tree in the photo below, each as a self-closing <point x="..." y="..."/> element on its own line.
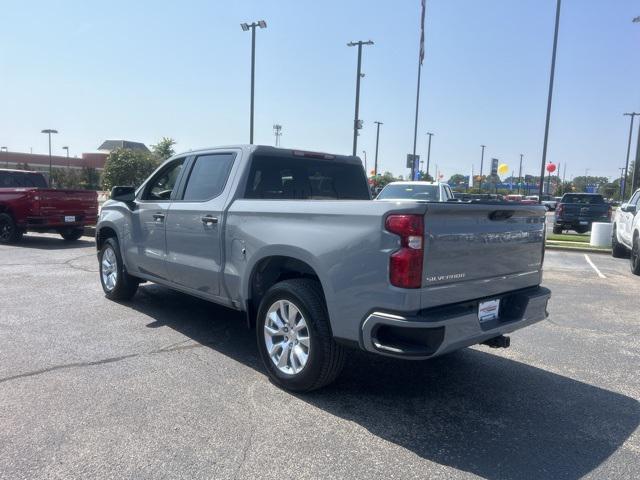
<point x="163" y="149"/>
<point x="423" y="177"/>
<point x="457" y="179"/>
<point x="90" y="178"/>
<point x="127" y="167"/>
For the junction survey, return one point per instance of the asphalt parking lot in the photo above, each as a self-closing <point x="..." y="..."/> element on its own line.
<point x="167" y="386"/>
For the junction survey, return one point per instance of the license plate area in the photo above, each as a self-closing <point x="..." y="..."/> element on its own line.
<point x="69" y="219"/>
<point x="488" y="310"/>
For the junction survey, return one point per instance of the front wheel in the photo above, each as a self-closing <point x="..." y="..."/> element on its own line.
<point x="294" y="337"/>
<point x="617" y="249"/>
<point x="635" y="256"/>
<point x="72" y="235"/>
<point x="9" y="232"/>
<point x="116" y="282"/>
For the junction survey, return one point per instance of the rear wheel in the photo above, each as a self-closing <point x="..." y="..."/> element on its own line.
<point x="617" y="249"/>
<point x="9" y="232"/>
<point x="294" y="337"/>
<point x="72" y="235"/>
<point x="557" y="229"/>
<point x="116" y="282"/>
<point x="635" y="256"/>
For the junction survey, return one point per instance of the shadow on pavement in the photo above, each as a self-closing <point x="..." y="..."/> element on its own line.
<point x="52" y="242"/>
<point x="473" y="411"/>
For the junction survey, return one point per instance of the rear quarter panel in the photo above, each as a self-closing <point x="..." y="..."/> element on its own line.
<point x="343" y="241"/>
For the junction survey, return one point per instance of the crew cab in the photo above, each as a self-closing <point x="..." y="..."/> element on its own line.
<point x="417" y="191"/>
<point x="625" y="234"/>
<point x="293" y="239"/>
<point x="577" y="211"/>
<point x="28" y="204"/>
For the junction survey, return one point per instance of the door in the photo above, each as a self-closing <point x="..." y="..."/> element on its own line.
<point x="194" y="224"/>
<point x="146" y="248"/>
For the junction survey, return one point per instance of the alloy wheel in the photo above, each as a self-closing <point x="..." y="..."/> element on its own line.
<point x="109" y="269"/>
<point x="286" y="336"/>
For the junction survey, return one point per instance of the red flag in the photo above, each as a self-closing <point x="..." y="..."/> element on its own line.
<point x="424" y="6"/>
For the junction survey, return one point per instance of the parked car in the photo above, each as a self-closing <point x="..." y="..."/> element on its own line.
<point x="293" y="239"/>
<point x="421" y="191"/>
<point x="28" y="204"/>
<point x="625" y="238"/>
<point x="549" y="203"/>
<point x="577" y="211"/>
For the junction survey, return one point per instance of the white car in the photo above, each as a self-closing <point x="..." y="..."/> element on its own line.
<point x="626" y="232"/>
<point x="420" y="191"/>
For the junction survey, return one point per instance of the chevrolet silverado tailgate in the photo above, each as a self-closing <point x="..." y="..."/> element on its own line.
<point x="480" y="250"/>
<point x="79" y="203"/>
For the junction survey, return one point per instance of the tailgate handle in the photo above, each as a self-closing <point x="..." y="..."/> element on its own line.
<point x="498" y="215"/>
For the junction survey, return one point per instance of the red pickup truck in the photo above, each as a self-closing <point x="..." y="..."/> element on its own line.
<point x="28" y="204"/>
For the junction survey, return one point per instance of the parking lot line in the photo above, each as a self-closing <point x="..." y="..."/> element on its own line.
<point x="600" y="274"/>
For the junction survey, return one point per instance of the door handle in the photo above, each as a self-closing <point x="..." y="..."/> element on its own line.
<point x="209" y="220"/>
<point x="158" y="217"/>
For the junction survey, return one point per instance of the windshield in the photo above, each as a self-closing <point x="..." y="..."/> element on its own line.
<point x="410" y="192"/>
<point x="586" y="199"/>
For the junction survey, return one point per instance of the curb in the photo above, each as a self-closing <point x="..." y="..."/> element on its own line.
<point x="574" y="249"/>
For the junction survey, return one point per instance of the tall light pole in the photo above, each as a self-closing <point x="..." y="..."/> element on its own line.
<point x="49" y="131"/>
<point x="626" y="171"/>
<point x="428" y="153"/>
<point x="481" y="165"/>
<point x="549" y="97"/>
<point x="277" y="131"/>
<point x="636" y="165"/>
<point x="520" y="174"/>
<point x="622" y="181"/>
<point x="246" y="27"/>
<point x="375" y="165"/>
<point x="67" y="149"/>
<point x="364" y="152"/>
<point x="357" y="123"/>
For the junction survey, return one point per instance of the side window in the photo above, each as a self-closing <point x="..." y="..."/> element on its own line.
<point x="162" y="184"/>
<point x="448" y="192"/>
<point x="7" y="180"/>
<point x="208" y="177"/>
<point x="635" y="200"/>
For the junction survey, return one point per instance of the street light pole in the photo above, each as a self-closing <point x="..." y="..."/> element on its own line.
<point x="356" y="120"/>
<point x="520" y="174"/>
<point x="549" y="97"/>
<point x="277" y="131"/>
<point x="67" y="149"/>
<point x="428" y="153"/>
<point x="375" y="165"/>
<point x="246" y="27"/>
<point x="481" y="165"/>
<point x="626" y="168"/>
<point x="49" y="131"/>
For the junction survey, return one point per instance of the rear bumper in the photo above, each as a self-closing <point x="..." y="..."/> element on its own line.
<point x="440" y="330"/>
<point x="58" y="221"/>
<point x="579" y="222"/>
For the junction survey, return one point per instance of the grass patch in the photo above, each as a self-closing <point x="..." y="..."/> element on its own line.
<point x="584" y="238"/>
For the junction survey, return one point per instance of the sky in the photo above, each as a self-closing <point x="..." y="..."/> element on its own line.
<point x="143" y="70"/>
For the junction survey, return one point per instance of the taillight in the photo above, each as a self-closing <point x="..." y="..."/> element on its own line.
<point x="405" y="265"/>
<point x="559" y="209"/>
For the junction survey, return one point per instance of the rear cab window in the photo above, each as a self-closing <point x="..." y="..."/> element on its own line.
<point x="22" y="180"/>
<point x="584" y="199"/>
<point x="292" y="178"/>
<point x="410" y="192"/>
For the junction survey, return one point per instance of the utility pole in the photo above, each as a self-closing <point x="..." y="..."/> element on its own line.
<point x="429" y="152"/>
<point x="520" y="174"/>
<point x="245" y="28"/>
<point x="622" y="175"/>
<point x="481" y="166"/>
<point x="277" y="131"/>
<point x="636" y="165"/>
<point x="357" y="123"/>
<point x="549" y="97"/>
<point x="49" y="131"/>
<point x="375" y="165"/>
<point x="626" y="171"/>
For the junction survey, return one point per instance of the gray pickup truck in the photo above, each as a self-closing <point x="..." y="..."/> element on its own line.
<point x="293" y="239"/>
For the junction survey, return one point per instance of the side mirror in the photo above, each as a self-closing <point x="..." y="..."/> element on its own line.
<point x="123" y="194"/>
<point x="627" y="207"/>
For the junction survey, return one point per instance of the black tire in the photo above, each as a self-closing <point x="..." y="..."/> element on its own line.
<point x="9" y="232"/>
<point x="325" y="357"/>
<point x="72" y="235"/>
<point x="557" y="230"/>
<point x="124" y="286"/>
<point x="617" y="249"/>
<point x="635" y="256"/>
